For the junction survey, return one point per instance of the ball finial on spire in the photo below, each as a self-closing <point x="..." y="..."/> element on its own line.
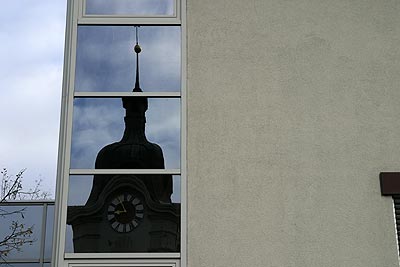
<point x="137" y="49"/>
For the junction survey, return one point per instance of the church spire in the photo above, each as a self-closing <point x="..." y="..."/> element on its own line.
<point x="136" y="106"/>
<point x="137" y="50"/>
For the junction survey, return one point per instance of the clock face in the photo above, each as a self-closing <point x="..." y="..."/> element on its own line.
<point x="125" y="212"/>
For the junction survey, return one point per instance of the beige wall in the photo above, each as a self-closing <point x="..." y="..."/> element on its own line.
<point x="293" y="110"/>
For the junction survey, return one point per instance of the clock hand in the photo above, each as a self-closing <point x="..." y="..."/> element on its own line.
<point x="122" y="204"/>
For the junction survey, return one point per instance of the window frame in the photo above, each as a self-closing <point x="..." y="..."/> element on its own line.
<point x="75" y="18"/>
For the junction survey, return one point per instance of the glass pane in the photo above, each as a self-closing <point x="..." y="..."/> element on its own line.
<point x="19" y="219"/>
<point x="12" y="264"/>
<point x="101" y="139"/>
<point x="106" y="60"/>
<point x="80" y="187"/>
<point x="69" y="246"/>
<point x="49" y="232"/>
<point x="123" y="213"/>
<point x="130" y="7"/>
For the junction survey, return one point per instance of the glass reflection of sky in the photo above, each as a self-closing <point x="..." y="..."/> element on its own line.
<point x="132" y="7"/>
<point x="81" y="185"/>
<point x="69" y="245"/>
<point x="32" y="218"/>
<point x="106" y="61"/>
<point x="98" y="122"/>
<point x="31" y="264"/>
<point x="49" y="232"/>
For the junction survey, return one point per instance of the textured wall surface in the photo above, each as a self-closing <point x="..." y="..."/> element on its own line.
<point x="293" y="110"/>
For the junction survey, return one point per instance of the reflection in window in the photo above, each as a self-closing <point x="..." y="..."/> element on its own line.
<point x="130" y="7"/>
<point x="33" y="215"/>
<point x="80" y="186"/>
<point x="69" y="246"/>
<point x="98" y="122"/>
<point x="103" y="208"/>
<point x="106" y="61"/>
<point x="26" y="264"/>
<point x="49" y="232"/>
<point x="113" y="212"/>
<point x="29" y="216"/>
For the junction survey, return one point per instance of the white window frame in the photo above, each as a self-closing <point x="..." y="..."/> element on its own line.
<point x="75" y="18"/>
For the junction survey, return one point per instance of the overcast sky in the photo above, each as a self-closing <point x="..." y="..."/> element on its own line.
<point x="106" y="62"/>
<point x="32" y="42"/>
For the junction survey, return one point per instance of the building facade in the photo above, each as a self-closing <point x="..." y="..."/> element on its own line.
<point x="288" y="113"/>
<point x="292" y="114"/>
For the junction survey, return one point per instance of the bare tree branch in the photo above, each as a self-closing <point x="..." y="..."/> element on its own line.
<point x="19" y="235"/>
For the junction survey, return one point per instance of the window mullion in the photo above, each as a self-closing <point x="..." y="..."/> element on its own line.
<point x="124" y="171"/>
<point x="127" y="94"/>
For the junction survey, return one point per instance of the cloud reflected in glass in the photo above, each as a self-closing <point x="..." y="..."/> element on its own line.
<point x="98" y="122"/>
<point x="106" y="61"/>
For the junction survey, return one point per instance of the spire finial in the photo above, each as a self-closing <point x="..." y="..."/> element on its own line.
<point x="136" y="106"/>
<point x="137" y="50"/>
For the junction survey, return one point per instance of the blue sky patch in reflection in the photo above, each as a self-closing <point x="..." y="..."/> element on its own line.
<point x="106" y="60"/>
<point x="99" y="121"/>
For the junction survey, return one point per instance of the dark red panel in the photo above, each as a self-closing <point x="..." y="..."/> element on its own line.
<point x="390" y="183"/>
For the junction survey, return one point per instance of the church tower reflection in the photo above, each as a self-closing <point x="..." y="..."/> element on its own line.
<point x="134" y="151"/>
<point x="128" y="213"/>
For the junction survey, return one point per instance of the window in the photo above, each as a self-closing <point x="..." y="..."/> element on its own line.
<point x="38" y="216"/>
<point x="121" y="177"/>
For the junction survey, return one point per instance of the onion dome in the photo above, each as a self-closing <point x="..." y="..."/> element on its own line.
<point x="134" y="151"/>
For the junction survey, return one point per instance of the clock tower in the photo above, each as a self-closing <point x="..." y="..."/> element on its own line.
<point x="128" y="213"/>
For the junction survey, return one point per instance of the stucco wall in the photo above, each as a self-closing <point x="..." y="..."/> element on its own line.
<point x="293" y="110"/>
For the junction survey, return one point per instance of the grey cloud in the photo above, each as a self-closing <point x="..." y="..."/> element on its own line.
<point x="30" y="87"/>
<point x="98" y="122"/>
<point x="105" y="59"/>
